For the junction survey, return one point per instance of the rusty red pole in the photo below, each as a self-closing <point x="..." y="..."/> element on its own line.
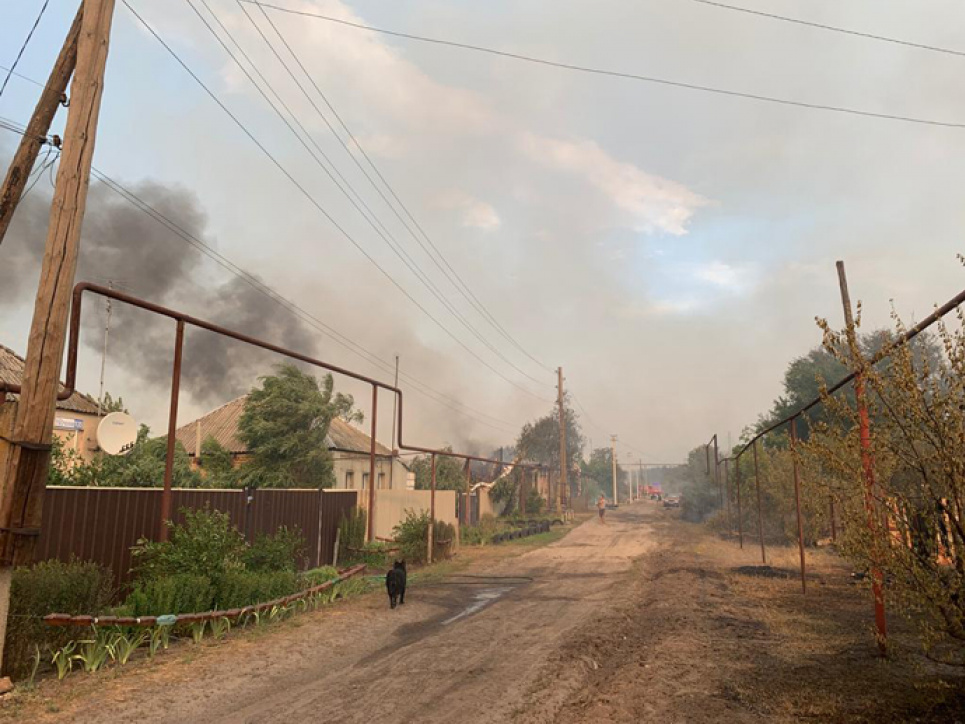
<point x="432" y="508"/>
<point x="720" y="489"/>
<point x="740" y="516"/>
<point x="797" y="500"/>
<point x="375" y="406"/>
<point x="867" y="463"/>
<point x="468" y="496"/>
<point x="730" y="521"/>
<point x="172" y="428"/>
<point x="760" y="509"/>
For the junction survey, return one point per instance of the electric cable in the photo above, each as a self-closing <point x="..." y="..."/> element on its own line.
<point x="616" y="73"/>
<point x="26" y="42"/>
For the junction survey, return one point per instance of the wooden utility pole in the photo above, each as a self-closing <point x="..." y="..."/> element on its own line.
<point x="35" y="136"/>
<point x="613" y="462"/>
<point x="867" y="463"/>
<point x="25" y="474"/>
<point x="563" y="461"/>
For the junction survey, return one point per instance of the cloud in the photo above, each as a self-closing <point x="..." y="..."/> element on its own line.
<point x="725" y="276"/>
<point x="473" y="213"/>
<point x="655" y="204"/>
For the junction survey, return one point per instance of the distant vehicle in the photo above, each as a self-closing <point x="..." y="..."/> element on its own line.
<point x="671" y="501"/>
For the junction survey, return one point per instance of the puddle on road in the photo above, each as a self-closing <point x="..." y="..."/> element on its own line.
<point x="479" y="601"/>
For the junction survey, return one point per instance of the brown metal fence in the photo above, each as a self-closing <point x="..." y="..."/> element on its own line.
<point x="102" y="524"/>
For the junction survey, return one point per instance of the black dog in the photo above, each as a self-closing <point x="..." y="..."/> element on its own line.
<point x="395" y="583"/>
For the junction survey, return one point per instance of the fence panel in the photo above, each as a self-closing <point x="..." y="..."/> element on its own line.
<point x="102" y="524"/>
<point x="335" y="504"/>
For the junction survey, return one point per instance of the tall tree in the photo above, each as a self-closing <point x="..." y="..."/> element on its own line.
<point x="598" y="472"/>
<point x="450" y="472"/>
<point x="539" y="441"/>
<point x="284" y="425"/>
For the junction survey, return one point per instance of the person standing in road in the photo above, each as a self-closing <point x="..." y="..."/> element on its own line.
<point x="601" y="506"/>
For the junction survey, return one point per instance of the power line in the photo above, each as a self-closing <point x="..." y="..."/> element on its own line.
<point x="21" y="76"/>
<point x="314" y="202"/>
<point x="615" y="73"/>
<point x="462" y="287"/>
<point x="374" y="221"/>
<point x="26" y="42"/>
<point x="832" y="28"/>
<point x="223" y="261"/>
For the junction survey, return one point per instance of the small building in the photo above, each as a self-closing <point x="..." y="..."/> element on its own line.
<point x="349" y="447"/>
<point x="76" y="418"/>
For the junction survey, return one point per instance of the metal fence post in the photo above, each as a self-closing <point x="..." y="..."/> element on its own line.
<point x="797" y="499"/>
<point x="740" y="515"/>
<point x="375" y="406"/>
<point x="166" y="495"/>
<point x="760" y="509"/>
<point x="432" y="509"/>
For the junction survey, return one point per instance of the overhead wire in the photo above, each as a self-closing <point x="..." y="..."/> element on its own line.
<point x="314" y="202"/>
<point x="369" y="215"/>
<point x="26" y="42"/>
<point x="461" y="287"/>
<point x="616" y="73"/>
<point x="226" y="263"/>
<point x="832" y="28"/>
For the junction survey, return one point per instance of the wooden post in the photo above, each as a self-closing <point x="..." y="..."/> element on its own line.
<point x="37" y="129"/>
<point x="25" y="474"/>
<point x="867" y="463"/>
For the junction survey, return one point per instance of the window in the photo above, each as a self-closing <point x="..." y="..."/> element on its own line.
<point x="365" y="481"/>
<point x="381" y="481"/>
<point x="349" y="480"/>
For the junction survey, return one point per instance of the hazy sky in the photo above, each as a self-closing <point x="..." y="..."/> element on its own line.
<point x="669" y="248"/>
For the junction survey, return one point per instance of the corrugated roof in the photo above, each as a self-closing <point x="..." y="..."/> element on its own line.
<point x="222" y="425"/>
<point x="11" y="370"/>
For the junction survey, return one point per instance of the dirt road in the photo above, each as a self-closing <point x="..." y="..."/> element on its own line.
<point x="471" y="646"/>
<point x="646" y="619"/>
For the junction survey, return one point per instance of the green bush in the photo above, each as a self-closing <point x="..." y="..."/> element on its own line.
<point x="317" y="576"/>
<point x="77" y="587"/>
<point x="351" y="529"/>
<point x="278" y="552"/>
<point x="206" y="544"/>
<point x="412" y="534"/>
<point x="178" y="593"/>
<point x="237" y="589"/>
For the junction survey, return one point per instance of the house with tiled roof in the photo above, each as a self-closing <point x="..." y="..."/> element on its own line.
<point x="349" y="447"/>
<point x="75" y="422"/>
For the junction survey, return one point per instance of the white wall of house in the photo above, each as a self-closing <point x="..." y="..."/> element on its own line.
<point x="352" y="472"/>
<point x="391" y="505"/>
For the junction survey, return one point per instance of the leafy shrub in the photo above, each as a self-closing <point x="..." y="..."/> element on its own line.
<point x="237" y="589"/>
<point x="412" y="535"/>
<point x="77" y="587"/>
<point x="351" y="529"/>
<point x="177" y="593"/>
<point x="535" y="503"/>
<point x="277" y="552"/>
<point x="317" y="576"/>
<point x="206" y="544"/>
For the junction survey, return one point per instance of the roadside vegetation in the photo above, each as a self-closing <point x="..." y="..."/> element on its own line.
<point x="911" y="527"/>
<point x="204" y="566"/>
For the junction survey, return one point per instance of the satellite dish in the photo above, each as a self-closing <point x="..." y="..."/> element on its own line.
<point x="117" y="433"/>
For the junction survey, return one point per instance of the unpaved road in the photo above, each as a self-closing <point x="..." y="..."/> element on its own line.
<point x="465" y="651"/>
<point x="646" y="619"/>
